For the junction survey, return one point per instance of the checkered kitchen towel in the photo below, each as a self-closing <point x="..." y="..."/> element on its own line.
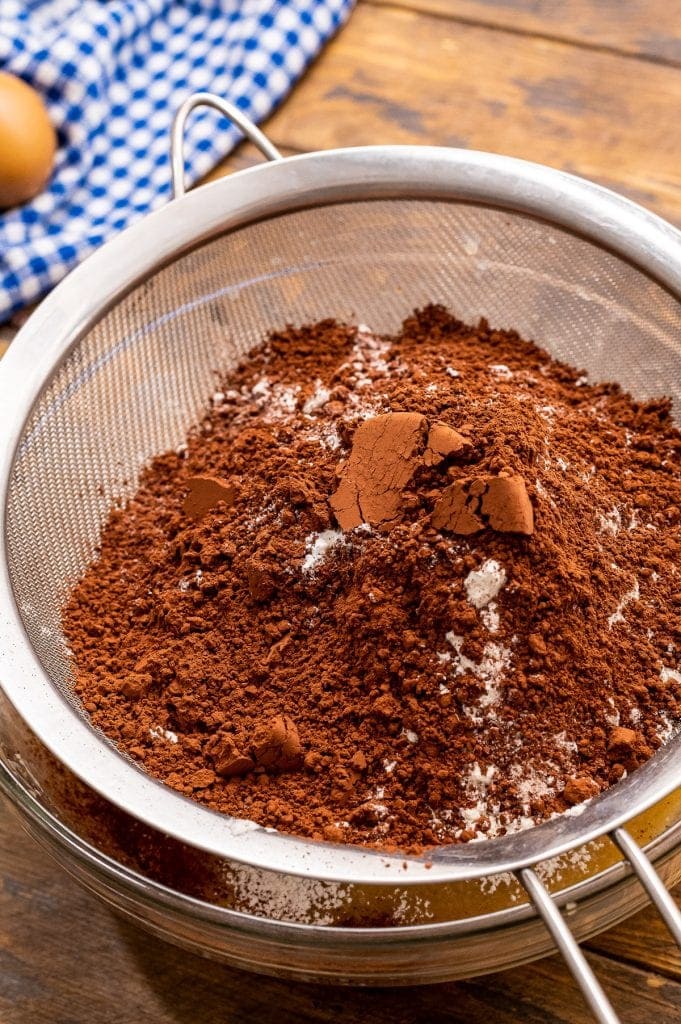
<point x="113" y="73"/>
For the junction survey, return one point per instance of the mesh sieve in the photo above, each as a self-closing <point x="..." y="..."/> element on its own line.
<point x="137" y="380"/>
<point x="126" y="351"/>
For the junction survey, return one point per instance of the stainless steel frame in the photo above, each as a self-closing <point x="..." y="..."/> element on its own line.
<point x="284" y="185"/>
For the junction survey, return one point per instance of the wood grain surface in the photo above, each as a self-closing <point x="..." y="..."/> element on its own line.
<point x="645" y="28"/>
<point x="66" y="959"/>
<point x="592" y="86"/>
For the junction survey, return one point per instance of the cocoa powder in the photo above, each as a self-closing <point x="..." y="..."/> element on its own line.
<point x="385" y="453"/>
<point x="394" y="591"/>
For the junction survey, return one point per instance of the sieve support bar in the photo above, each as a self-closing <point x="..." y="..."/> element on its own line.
<point x="228" y="110"/>
<point x="568" y="947"/>
<point x="651" y="882"/>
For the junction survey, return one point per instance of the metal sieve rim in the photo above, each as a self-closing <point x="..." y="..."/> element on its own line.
<point x="265" y="191"/>
<point x="665" y="845"/>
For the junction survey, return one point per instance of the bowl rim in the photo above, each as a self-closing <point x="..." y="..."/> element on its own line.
<point x="131" y="882"/>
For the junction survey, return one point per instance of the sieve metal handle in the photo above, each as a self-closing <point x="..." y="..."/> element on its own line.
<point x="568" y="947"/>
<point x="228" y="110"/>
<point x="651" y="882"/>
<point x="566" y="943"/>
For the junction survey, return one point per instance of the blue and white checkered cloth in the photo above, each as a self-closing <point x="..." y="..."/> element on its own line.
<point x="113" y="73"/>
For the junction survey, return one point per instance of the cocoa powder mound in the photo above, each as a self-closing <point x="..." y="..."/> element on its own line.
<point x="394" y="591"/>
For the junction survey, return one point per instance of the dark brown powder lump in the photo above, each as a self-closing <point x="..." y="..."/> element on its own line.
<point x="394" y="591"/>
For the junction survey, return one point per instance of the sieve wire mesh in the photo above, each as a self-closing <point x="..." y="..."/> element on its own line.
<point x="140" y="377"/>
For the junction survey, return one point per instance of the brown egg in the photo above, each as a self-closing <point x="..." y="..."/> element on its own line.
<point x="27" y="142"/>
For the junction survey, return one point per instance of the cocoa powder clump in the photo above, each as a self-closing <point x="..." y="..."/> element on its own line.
<point x="205" y="493"/>
<point x="395" y="591"/>
<point x="385" y="453"/>
<point x="500" y="502"/>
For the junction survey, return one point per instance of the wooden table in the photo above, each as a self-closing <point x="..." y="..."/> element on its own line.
<point x="593" y="86"/>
